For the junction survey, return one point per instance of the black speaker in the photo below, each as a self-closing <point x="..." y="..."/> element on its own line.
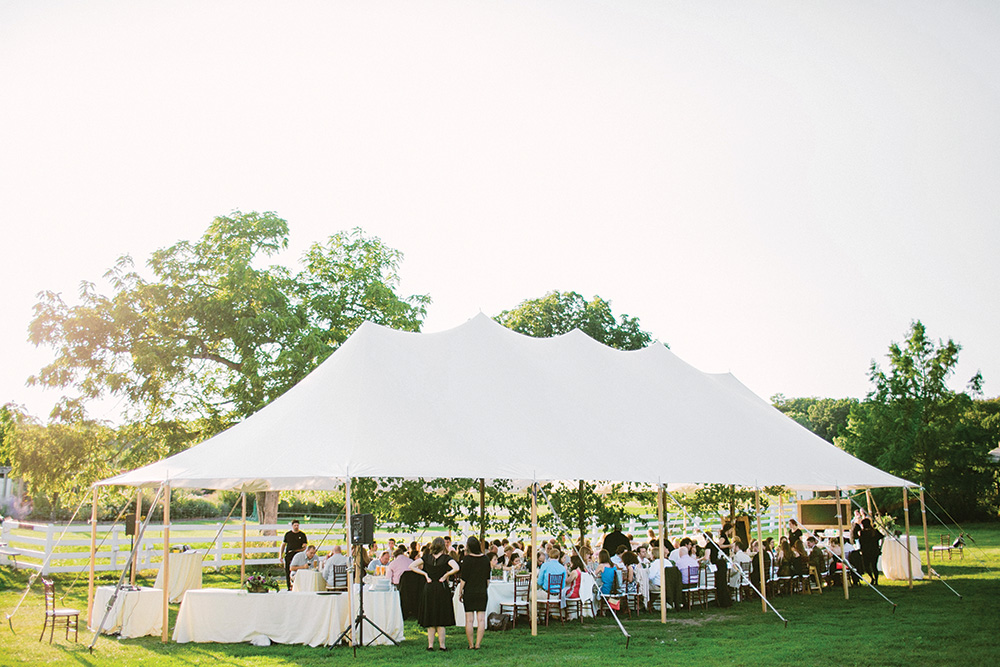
<point x="129" y="525"/>
<point x="362" y="528"/>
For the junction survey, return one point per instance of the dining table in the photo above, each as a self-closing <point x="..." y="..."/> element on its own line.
<point x="894" y="555"/>
<point x="501" y="592"/>
<point x="308" y="581"/>
<point x="185" y="574"/>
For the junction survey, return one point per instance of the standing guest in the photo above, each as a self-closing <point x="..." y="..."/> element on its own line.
<point x="871" y="548"/>
<point x="360" y="557"/>
<point x="794" y="532"/>
<point x="715" y="555"/>
<point x="293" y="542"/>
<point x="472" y="591"/>
<point x="436" y="609"/>
<point x="615" y="539"/>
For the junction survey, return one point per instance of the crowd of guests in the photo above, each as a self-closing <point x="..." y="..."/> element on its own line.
<point x="619" y="564"/>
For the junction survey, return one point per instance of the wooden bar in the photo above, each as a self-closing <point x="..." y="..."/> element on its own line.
<point x="93" y="557"/>
<point x="843" y="552"/>
<point x="906" y="521"/>
<point x="927" y="544"/>
<point x="166" y="563"/>
<point x="760" y="554"/>
<point x="534" y="559"/>
<point x="663" y="555"/>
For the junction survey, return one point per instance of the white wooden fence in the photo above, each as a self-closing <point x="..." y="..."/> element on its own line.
<point x="38" y="546"/>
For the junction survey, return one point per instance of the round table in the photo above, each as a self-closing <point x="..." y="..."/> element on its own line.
<point x="308" y="581"/>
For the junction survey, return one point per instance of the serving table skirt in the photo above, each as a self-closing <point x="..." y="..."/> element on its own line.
<point x="385" y="611"/>
<point x="135" y="614"/>
<point x="308" y="581"/>
<point x="894" y="558"/>
<point x="231" y="616"/>
<point x="185" y="574"/>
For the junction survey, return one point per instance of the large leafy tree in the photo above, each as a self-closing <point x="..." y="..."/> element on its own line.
<point x="914" y="425"/>
<point x="560" y="312"/>
<point x="212" y="332"/>
<point x="826" y="417"/>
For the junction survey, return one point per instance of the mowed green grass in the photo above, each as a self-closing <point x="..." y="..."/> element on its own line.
<point x="930" y="626"/>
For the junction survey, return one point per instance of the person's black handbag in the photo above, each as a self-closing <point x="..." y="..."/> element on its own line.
<point x="497" y="621"/>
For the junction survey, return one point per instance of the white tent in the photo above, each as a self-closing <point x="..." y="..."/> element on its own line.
<point x="483" y="401"/>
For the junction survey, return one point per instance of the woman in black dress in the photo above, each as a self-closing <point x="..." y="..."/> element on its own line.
<point x="473" y="591"/>
<point x="871" y="548"/>
<point x="436" y="611"/>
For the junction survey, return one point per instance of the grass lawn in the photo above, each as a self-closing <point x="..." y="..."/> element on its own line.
<point x="930" y="626"/>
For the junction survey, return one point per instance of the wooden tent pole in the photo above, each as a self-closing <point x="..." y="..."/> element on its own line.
<point x="868" y="499"/>
<point x="93" y="558"/>
<point x="843" y="552"/>
<point x="534" y="559"/>
<point x="927" y="546"/>
<point x="760" y="553"/>
<point x="781" y="515"/>
<point x="243" y="550"/>
<point x="482" y="514"/>
<point x="135" y="532"/>
<point x="166" y="563"/>
<point x="906" y="522"/>
<point x="663" y="555"/>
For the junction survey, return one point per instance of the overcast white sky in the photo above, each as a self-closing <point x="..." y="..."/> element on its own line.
<point x="775" y="189"/>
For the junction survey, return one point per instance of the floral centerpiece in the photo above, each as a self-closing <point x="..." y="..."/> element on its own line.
<point x="261" y="583"/>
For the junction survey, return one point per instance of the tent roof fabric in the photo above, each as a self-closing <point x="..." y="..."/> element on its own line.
<point x="480" y="400"/>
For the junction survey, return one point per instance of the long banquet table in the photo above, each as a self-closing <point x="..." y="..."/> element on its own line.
<point x="316" y="619"/>
<point x="135" y="613"/>
<point x="894" y="558"/>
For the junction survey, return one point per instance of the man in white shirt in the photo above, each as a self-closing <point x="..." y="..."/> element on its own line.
<point x="654" y="568"/>
<point x="305" y="560"/>
<point x="682" y="549"/>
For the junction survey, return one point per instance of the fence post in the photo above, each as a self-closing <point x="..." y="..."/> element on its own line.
<point x="49" y="545"/>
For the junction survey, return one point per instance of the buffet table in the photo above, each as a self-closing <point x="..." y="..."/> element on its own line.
<point x="185" y="574"/>
<point x="893" y="562"/>
<point x="135" y="613"/>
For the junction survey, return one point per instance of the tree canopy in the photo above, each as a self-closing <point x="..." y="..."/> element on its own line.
<point x="560" y="312"/>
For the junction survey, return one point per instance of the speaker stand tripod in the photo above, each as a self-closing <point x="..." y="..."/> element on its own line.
<point x="359" y="622"/>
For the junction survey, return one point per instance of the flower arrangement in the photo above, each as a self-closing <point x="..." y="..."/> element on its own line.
<point x="261" y="583"/>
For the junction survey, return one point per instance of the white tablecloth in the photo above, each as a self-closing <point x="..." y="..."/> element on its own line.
<point x="385" y="611"/>
<point x="893" y="563"/>
<point x="135" y="614"/>
<point x="185" y="574"/>
<point x="308" y="581"/>
<point x="232" y="616"/>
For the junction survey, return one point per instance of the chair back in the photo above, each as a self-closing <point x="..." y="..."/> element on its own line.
<point x="945" y="540"/>
<point x="554" y="585"/>
<point x="522" y="586"/>
<point x="50" y="595"/>
<point x="340" y="576"/>
<point x="691" y="575"/>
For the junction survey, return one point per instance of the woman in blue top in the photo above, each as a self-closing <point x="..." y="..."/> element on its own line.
<point x="607" y="573"/>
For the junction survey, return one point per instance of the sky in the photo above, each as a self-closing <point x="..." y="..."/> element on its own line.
<point x="775" y="189"/>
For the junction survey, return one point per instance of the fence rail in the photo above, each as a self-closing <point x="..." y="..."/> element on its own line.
<point x="35" y="545"/>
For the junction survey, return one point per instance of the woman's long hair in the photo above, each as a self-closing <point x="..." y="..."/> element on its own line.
<point x="472" y="545"/>
<point x="437" y="546"/>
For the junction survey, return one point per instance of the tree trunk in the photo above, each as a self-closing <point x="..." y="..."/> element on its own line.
<point x="267" y="509"/>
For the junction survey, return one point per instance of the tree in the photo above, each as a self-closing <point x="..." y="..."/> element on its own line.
<point x="560" y="312"/>
<point x="826" y="417"/>
<point x="217" y="333"/>
<point x="914" y="425"/>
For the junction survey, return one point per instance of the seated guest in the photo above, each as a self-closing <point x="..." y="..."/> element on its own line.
<point x="643" y="554"/>
<point x="399" y="565"/>
<point x="608" y="574"/>
<point x="630" y="577"/>
<point x="654" y="568"/>
<point x="574" y="577"/>
<point x="681" y="550"/>
<point x="514" y="563"/>
<point x="800" y="561"/>
<point x="617" y="558"/>
<point x="336" y="557"/>
<point x="305" y="560"/>
<point x="817" y="557"/>
<point x="549" y="567"/>
<point x="685" y="561"/>
<point x="740" y="558"/>
<point x="755" y="554"/>
<point x="376" y="563"/>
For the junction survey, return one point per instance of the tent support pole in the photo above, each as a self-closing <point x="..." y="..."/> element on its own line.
<point x="927" y="546"/>
<point x="534" y="558"/>
<point x="868" y="501"/>
<point x="840" y="533"/>
<point x="93" y="557"/>
<point x="906" y="521"/>
<point x="355" y="557"/>
<point x="663" y="555"/>
<point x="760" y="553"/>
<point x="136" y="533"/>
<point x="482" y="513"/>
<point x="781" y="515"/>
<point x="166" y="563"/>
<point x="243" y="551"/>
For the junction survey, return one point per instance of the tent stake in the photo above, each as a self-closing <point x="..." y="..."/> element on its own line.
<point x="166" y="563"/>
